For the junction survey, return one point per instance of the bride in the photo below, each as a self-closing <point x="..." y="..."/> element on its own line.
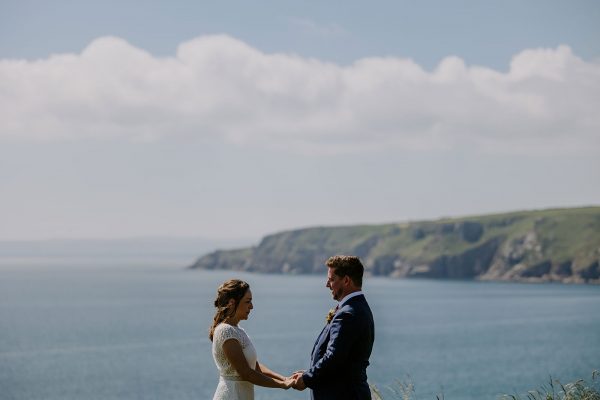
<point x="232" y="349"/>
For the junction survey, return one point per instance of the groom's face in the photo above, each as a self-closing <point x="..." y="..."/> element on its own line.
<point x="335" y="284"/>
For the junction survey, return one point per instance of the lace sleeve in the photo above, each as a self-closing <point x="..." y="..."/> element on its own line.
<point x="224" y="332"/>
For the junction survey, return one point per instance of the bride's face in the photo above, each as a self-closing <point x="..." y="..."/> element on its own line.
<point x="243" y="309"/>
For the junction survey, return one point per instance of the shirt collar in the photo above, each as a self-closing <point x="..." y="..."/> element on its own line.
<point x="348" y="297"/>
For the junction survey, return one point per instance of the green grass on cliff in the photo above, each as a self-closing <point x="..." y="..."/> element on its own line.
<point x="564" y="233"/>
<point x="525" y="238"/>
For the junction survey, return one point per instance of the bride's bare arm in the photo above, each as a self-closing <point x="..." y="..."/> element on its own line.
<point x="234" y="353"/>
<point x="262" y="368"/>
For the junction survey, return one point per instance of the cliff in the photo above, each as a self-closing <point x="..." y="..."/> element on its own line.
<point x="561" y="245"/>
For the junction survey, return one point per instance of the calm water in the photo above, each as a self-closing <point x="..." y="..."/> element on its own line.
<point x="83" y="331"/>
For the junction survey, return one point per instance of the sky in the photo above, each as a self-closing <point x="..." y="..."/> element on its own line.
<point x="238" y="119"/>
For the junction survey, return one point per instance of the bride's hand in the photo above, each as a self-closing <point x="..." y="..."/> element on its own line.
<point x="287" y="383"/>
<point x="297" y="374"/>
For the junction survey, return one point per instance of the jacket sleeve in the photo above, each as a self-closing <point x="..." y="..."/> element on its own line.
<point x="341" y="337"/>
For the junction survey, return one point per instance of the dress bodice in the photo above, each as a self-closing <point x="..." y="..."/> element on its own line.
<point x="222" y="333"/>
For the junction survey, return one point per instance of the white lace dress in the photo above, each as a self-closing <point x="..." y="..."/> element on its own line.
<point x="231" y="386"/>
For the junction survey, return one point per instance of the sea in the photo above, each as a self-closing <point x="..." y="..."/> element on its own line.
<point x="83" y="329"/>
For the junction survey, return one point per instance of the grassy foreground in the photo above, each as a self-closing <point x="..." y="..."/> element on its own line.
<point x="554" y="390"/>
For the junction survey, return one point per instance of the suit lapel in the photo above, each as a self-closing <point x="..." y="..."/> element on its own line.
<point x="320" y="340"/>
<point x="325" y="332"/>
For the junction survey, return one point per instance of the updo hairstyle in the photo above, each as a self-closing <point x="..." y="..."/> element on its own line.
<point x="232" y="289"/>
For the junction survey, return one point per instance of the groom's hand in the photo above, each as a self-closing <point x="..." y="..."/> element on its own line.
<point x="299" y="382"/>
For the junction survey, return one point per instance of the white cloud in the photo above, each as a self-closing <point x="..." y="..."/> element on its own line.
<point x="217" y="86"/>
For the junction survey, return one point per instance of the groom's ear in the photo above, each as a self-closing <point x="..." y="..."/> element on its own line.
<point x="346" y="280"/>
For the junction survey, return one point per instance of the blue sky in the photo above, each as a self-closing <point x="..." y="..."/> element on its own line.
<point x="481" y="32"/>
<point x="237" y="119"/>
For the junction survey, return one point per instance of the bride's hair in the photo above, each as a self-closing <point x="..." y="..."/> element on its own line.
<point x="231" y="289"/>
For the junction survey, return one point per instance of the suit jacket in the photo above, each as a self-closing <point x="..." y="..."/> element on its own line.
<point x="340" y="356"/>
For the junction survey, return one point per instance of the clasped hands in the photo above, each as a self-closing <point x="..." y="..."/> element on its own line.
<point x="296" y="381"/>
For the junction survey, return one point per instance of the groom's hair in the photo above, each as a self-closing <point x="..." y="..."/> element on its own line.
<point x="347" y="266"/>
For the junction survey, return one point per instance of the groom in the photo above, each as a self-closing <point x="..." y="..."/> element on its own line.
<point x="340" y="356"/>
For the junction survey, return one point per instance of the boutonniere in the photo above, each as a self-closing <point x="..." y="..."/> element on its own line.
<point x="330" y="315"/>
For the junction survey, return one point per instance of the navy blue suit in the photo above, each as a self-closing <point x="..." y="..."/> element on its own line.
<point x="340" y="356"/>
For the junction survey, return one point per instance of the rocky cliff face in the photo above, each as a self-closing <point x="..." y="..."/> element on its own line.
<point x="537" y="246"/>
